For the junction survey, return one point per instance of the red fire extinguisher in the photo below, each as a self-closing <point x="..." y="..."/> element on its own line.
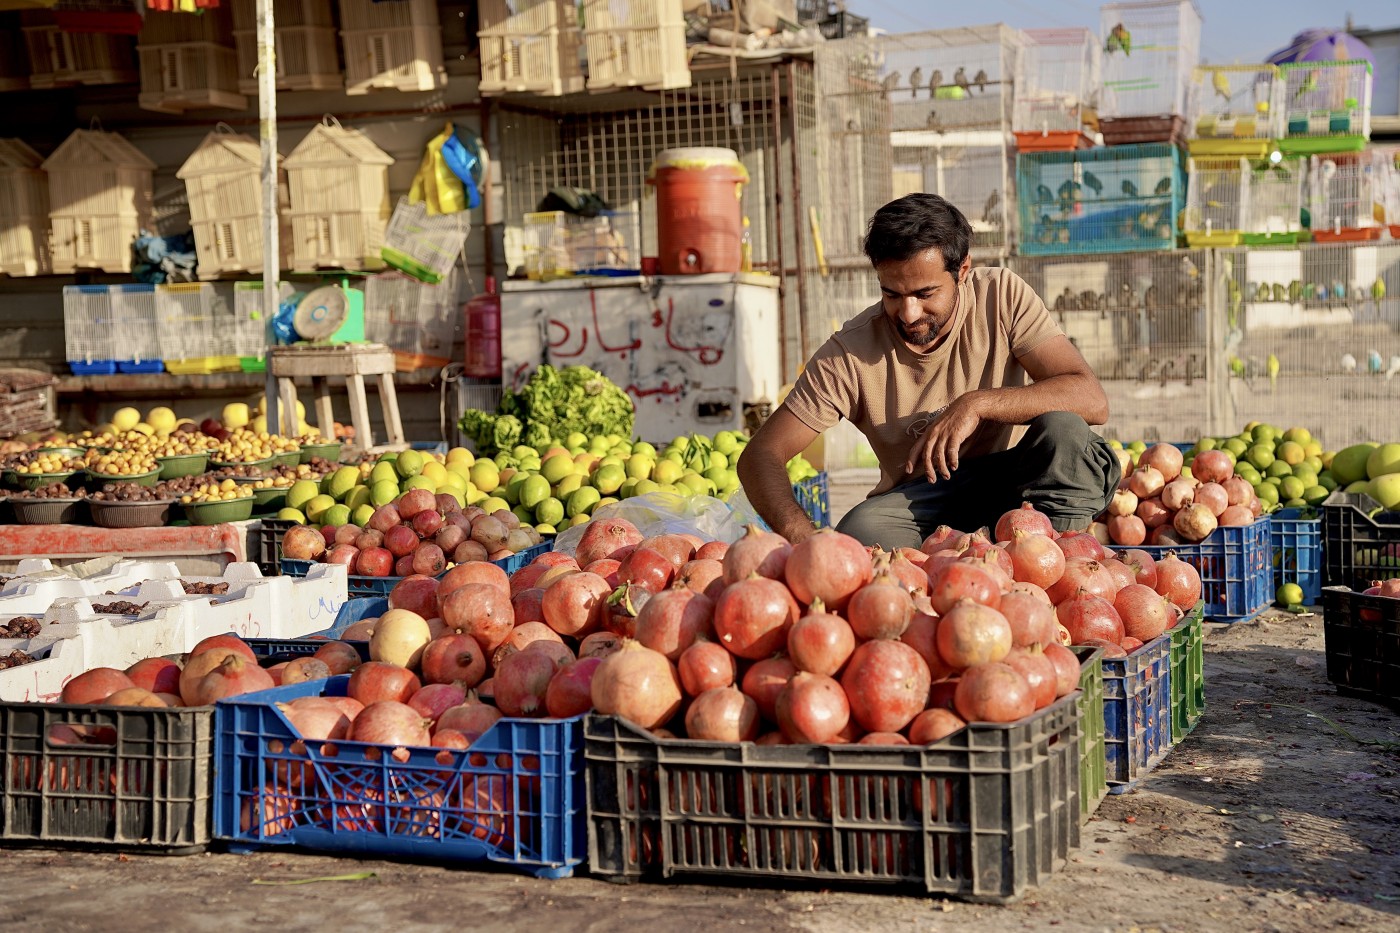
<point x="483" y="334"/>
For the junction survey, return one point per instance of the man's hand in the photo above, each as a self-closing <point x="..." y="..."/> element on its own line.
<point x="938" y="449"/>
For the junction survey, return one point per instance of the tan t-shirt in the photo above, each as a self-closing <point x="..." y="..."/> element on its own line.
<point x="868" y="375"/>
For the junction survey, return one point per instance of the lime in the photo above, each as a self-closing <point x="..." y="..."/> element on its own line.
<point x="301" y="492"/>
<point x="1315" y="494"/>
<point x="1327" y="482"/>
<point x="1260" y="455"/>
<point x="645" y="486"/>
<point x="1263" y="433"/>
<point x="726" y="442"/>
<point x="1267" y="493"/>
<point x="608" y="479"/>
<point x="546" y="529"/>
<point x="358" y="496"/>
<point x="1312" y="463"/>
<point x="550" y="511"/>
<point x="1290" y="452"/>
<point x="582" y="501"/>
<point x="667" y="471"/>
<point x="643" y="449"/>
<point x="336" y="515"/>
<point x="409" y="463"/>
<point x="639" y="466"/>
<point x="1279" y="468"/>
<point x="526" y="516"/>
<point x="460" y="454"/>
<point x="317" y="507"/>
<point x="383" y="493"/>
<point x="568" y="484"/>
<point x="1206" y="443"/>
<point x="1290" y="594"/>
<point x="291" y="515"/>
<point x="628" y="489"/>
<point x="533" y="490"/>
<point x="1235" y="446"/>
<point x="342" y="481"/>
<point x="557" y="467"/>
<point x="382" y="472"/>
<point x="419" y="482"/>
<point x="578" y="520"/>
<point x="361" y="514"/>
<point x="485" y="476"/>
<point x="493" y="504"/>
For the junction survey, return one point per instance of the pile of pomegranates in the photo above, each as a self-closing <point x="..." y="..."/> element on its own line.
<point x="417" y="533"/>
<point x="1157" y="505"/>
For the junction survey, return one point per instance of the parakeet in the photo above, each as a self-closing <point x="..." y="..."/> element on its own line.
<point x="1236" y="366"/>
<point x="935" y="82"/>
<point x="1119" y="39"/>
<point x="1091" y="181"/>
<point x="1339" y="291"/>
<point x="1221" y="82"/>
<point x="1163" y="185"/>
<point x="916" y="78"/>
<point x="891" y="82"/>
<point x="980" y="79"/>
<point x="1262" y="293"/>
<point x="1373" y="361"/>
<point x="1129" y="188"/>
<point x="1378" y="289"/>
<point x="1309" y="84"/>
<point x="1280" y="291"/>
<point x="1348" y="363"/>
<point x="989" y="209"/>
<point x="1189" y="267"/>
<point x="960" y="79"/>
<point x="1393" y="368"/>
<point x="1295" y="291"/>
<point x="1069" y="191"/>
<point x="1273" y="372"/>
<point x="932" y="121"/>
<point x="1043" y="193"/>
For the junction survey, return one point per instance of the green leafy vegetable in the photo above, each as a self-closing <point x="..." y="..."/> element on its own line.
<point x="550" y="406"/>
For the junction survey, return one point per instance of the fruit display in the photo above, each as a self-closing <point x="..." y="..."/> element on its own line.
<point x="552" y="404"/>
<point x="131" y="492"/>
<point x="130" y="462"/>
<point x="43" y="462"/>
<point x="1370" y="469"/>
<point x="50" y="491"/>
<point x="1164" y="501"/>
<point x="217" y="491"/>
<point x="246" y="446"/>
<point x="378" y="481"/>
<point x="418" y="532"/>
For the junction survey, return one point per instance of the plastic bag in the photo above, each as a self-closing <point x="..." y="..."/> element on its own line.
<point x="659" y="513"/>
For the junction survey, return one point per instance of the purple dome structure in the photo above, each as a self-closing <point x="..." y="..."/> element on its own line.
<point x="1322" y="45"/>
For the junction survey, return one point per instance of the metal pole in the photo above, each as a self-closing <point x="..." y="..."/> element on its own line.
<point x="267" y="174"/>
<point x="778" y="219"/>
<point x="804" y="300"/>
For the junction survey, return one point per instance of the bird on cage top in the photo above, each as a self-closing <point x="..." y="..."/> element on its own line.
<point x="1163" y="186"/>
<point x="1129" y="188"/>
<point x="916" y="78"/>
<point x="891" y="82"/>
<point x="960" y="79"/>
<point x="1119" y="40"/>
<point x="935" y="81"/>
<point x="1091" y="181"/>
<point x="980" y="79"/>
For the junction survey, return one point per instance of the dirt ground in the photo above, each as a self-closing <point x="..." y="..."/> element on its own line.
<point x="1265" y="818"/>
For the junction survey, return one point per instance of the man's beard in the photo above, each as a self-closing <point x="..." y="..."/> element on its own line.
<point x="924" y="337"/>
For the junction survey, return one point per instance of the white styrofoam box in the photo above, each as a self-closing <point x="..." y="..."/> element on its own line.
<point x="81" y="641"/>
<point x="42" y="681"/>
<point x="256" y="606"/>
<point x="35" y="592"/>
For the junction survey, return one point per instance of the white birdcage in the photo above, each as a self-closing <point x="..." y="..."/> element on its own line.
<point x="89" y="340"/>
<point x="99" y="199"/>
<point x="188" y="62"/>
<point x="24" y="211"/>
<point x="1389" y="159"/>
<point x="635" y="43"/>
<point x="1326" y="106"/>
<point x="529" y="47"/>
<point x="1346" y="196"/>
<point x="304" y="45"/>
<point x="58" y="58"/>
<point x="417" y="321"/>
<point x="135" y="329"/>
<point x="1238" y="110"/>
<point x="250" y="325"/>
<point x="425" y="246"/>
<point x="1057" y="86"/>
<point x="339" y="184"/>
<point x="1149" y="53"/>
<point x="947" y="80"/>
<point x="393" y="46"/>
<point x="224" y="189"/>
<point x="1234" y="201"/>
<point x="976" y="179"/>
<point x="195" y="322"/>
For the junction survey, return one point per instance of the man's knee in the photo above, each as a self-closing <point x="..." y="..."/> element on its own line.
<point x="1058" y="428"/>
<point x="874" y="523"/>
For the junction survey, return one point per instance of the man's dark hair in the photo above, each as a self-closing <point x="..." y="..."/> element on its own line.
<point x="906" y="227"/>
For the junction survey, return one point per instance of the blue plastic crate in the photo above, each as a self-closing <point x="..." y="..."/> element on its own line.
<point x="1236" y="568"/>
<point x="351" y="611"/>
<point x="814" y="495"/>
<point x="1111" y="199"/>
<point x="140" y="366"/>
<point x="93" y="367"/>
<point x="380" y="586"/>
<point x="1297" y="547"/>
<point x="1137" y="712"/>
<point x="515" y="798"/>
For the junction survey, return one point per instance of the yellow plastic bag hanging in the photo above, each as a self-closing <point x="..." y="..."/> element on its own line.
<point x="435" y="185"/>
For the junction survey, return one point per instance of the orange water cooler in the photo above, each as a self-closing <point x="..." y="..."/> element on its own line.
<point x="699" y="223"/>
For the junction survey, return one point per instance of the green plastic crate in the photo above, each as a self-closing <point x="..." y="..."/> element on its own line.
<point x="1093" y="765"/>
<point x="1188" y="673"/>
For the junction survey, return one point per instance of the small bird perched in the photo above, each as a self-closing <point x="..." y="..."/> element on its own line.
<point x="1236" y="366"/>
<point x="916" y="78"/>
<point x="1309" y="84"/>
<point x="1091" y="181"/>
<point x="1163" y="185"/>
<point x="935" y="82"/>
<point x="932" y="121"/>
<point x="989" y="209"/>
<point x="1272" y="364"/>
<point x="1119" y="39"/>
<point x="980" y="79"/>
<point x="960" y="79"/>
<point x="1348" y="363"/>
<point x="1042" y="193"/>
<point x="1221" y="82"/>
<point x="1378" y="289"/>
<point x="1373" y="361"/>
<point x="1129" y="188"/>
<point x="891" y="82"/>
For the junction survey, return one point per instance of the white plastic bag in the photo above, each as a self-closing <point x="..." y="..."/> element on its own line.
<point x="659" y="513"/>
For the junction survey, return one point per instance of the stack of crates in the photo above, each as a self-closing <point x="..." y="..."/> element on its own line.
<point x="425" y="246"/>
<point x="1234" y="200"/>
<point x="195" y="322"/>
<point x="635" y="43"/>
<point x="1108" y="200"/>
<point x="1326" y="106"/>
<point x="417" y="321"/>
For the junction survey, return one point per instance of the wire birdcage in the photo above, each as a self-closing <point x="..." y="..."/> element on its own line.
<point x="1114" y="199"/>
<point x="136" y="329"/>
<point x="425" y="246"/>
<point x="1346" y="196"/>
<point x="976" y="179"/>
<point x="635" y="43"/>
<point x="530" y="46"/>
<point x="89" y="339"/>
<point x="1215" y="201"/>
<point x="947" y="80"/>
<point x="1326" y="106"/>
<point x="419" y="322"/>
<point x="1150" y="50"/>
<point x="1238" y="110"/>
<point x="251" y="329"/>
<point x="1057" y="86"/>
<point x="195" y="322"/>
<point x="1142" y="321"/>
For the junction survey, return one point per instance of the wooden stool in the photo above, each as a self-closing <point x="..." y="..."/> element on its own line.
<point x="354" y="362"/>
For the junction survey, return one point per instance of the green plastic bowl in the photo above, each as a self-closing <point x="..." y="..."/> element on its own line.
<point x="270" y="499"/>
<point x="174" y="467"/>
<point x="290" y="458"/>
<point x="68" y="453"/>
<point x="33" y="481"/>
<point x="214" y="513"/>
<point x="260" y="464"/>
<point x="140" y="479"/>
<point x="329" y="452"/>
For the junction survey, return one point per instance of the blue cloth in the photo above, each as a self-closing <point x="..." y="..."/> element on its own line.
<point x="159" y="260"/>
<point x="464" y="161"/>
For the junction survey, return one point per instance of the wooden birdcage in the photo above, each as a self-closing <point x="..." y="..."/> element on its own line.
<point x="24" y="211"/>
<point x="339" y="183"/>
<point x="635" y="43"/>
<point x="391" y="46"/>
<point x="63" y="59"/>
<point x="529" y="47"/>
<point x="188" y="62"/>
<point x="99" y="199"/>
<point x="304" y="44"/>
<point x="224" y="192"/>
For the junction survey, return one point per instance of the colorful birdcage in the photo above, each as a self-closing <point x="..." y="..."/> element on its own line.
<point x="425" y="246"/>
<point x="1106" y="200"/>
<point x="189" y="62"/>
<point x="1326" y="106"/>
<point x="1347" y="196"/>
<point x="304" y="45"/>
<point x="136" y="334"/>
<point x="393" y="46"/>
<point x="24" y="211"/>
<point x="1150" y="50"/>
<point x="99" y="201"/>
<point x="1233" y="200"/>
<point x="635" y="43"/>
<point x="88" y="335"/>
<point x="529" y="47"/>
<point x="195" y="322"/>
<point x="1057" y="86"/>
<point x="1237" y="110"/>
<point x="339" y="184"/>
<point x="251" y="335"/>
<point x="417" y="321"/>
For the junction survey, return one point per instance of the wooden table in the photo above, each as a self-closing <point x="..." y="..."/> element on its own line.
<point x="352" y="361"/>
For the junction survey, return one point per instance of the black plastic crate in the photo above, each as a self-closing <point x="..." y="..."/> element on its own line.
<point x="112" y="777"/>
<point x="1360" y="541"/>
<point x="983" y="815"/>
<point x="267" y="544"/>
<point x="1363" y="644"/>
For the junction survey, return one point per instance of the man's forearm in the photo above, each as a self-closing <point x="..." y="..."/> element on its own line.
<point x="765" y="481"/>
<point x="1071" y="392"/>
